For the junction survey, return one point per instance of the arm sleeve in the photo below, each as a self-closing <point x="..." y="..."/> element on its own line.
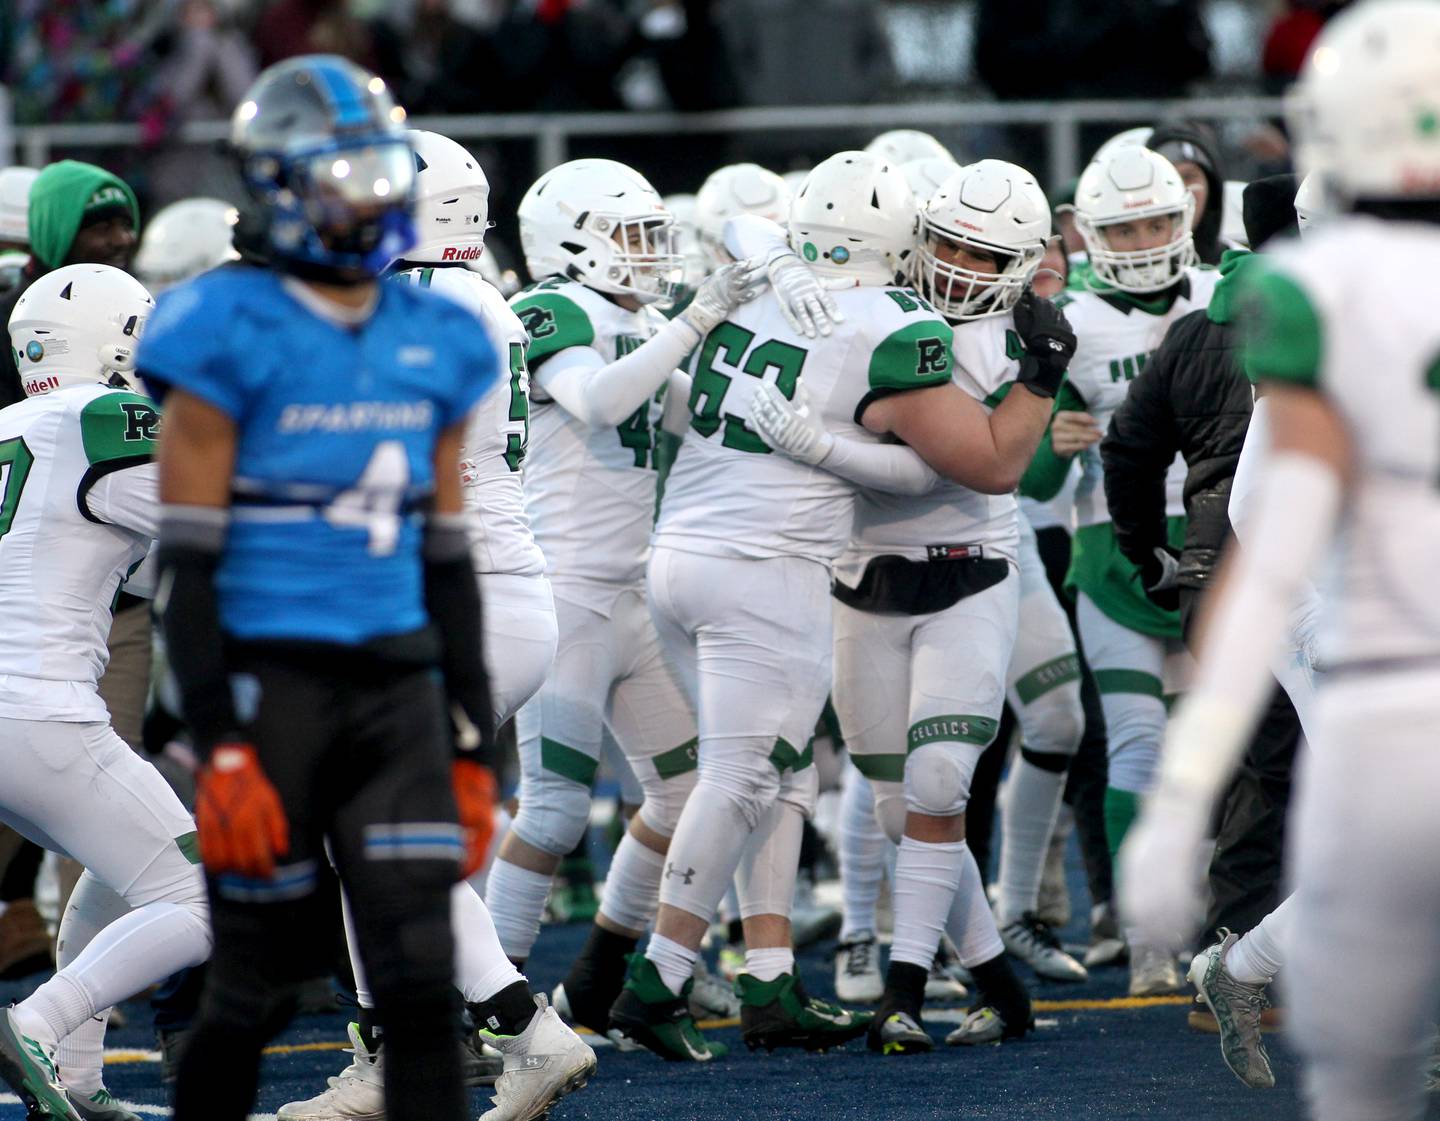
<point x="1137" y="453"/>
<point x="603" y="394"/>
<point x="676" y="417"/>
<point x="749" y="235"/>
<point x="1047" y="472"/>
<point x="892" y="468"/>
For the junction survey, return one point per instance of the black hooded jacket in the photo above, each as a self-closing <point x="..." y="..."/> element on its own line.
<point x="1186" y="142"/>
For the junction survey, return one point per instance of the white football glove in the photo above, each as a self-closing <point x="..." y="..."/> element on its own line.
<point x="790" y="427"/>
<point x="806" y="304"/>
<point x="1162" y="889"/>
<point x="720" y="293"/>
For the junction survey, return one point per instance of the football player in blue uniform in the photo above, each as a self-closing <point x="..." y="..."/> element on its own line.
<point x="319" y="605"/>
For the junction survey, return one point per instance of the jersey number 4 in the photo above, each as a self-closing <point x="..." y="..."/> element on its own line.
<point x="731" y="346"/>
<point x="15" y="462"/>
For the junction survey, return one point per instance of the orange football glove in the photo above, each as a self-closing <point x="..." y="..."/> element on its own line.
<point x="238" y="814"/>
<point x="475" y="796"/>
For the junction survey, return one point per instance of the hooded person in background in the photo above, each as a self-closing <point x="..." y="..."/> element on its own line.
<point x="78" y="214"/>
<point x="1192" y="149"/>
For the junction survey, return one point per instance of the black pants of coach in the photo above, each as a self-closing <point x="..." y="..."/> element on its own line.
<point x="1246" y="870"/>
<point x="358" y="750"/>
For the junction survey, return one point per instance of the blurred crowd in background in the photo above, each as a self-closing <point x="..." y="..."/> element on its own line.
<point x="165" y="62"/>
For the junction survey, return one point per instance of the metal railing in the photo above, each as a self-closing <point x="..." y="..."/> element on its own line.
<point x="552" y="133"/>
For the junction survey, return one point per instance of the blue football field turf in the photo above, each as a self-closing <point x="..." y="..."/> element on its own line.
<point x="1105" y="1062"/>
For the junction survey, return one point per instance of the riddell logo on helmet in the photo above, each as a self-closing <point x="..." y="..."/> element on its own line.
<point x="469" y="253"/>
<point x="41" y="385"/>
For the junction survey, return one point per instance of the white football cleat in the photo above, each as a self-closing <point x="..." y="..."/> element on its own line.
<point x="1030" y="939"/>
<point x="1153" y="972"/>
<point x="357" y="1093"/>
<point x="543" y="1063"/>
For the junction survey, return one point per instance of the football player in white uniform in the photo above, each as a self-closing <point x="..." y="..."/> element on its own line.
<point x="452" y="213"/>
<point x="740" y="579"/>
<point x="1344" y="339"/>
<point x="904" y="145"/>
<point x="78" y="511"/>
<point x="1134" y="213"/>
<point x="925" y="630"/>
<point x="599" y="241"/>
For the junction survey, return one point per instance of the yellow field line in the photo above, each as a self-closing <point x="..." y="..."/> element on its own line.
<point x="1112" y="1004"/>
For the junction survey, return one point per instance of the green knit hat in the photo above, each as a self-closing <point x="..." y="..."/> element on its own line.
<point x="64" y="197"/>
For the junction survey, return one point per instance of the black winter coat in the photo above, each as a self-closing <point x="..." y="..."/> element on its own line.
<point x="1193" y="398"/>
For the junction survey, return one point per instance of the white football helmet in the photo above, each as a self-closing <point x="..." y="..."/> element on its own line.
<point x="793" y="179"/>
<point x="602" y="224"/>
<point x="1365" y="112"/>
<point x="740" y="188"/>
<point x="991" y="207"/>
<point x="1128" y="185"/>
<point x="925" y="175"/>
<point x="687" y="236"/>
<point x="452" y="201"/>
<point x="854" y="218"/>
<point x="79" y="325"/>
<point x="902" y="145"/>
<point x="1312" y="207"/>
<point x="185" y="239"/>
<point x="15" y="204"/>
<point x="1130" y="138"/>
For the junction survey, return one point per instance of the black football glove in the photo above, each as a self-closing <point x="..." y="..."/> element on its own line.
<point x="1157" y="576"/>
<point x="1049" y="343"/>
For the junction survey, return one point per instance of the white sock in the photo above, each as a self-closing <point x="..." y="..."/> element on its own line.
<point x="675" y="962"/>
<point x="1259" y="955"/>
<point x="352" y="947"/>
<point x="129" y="955"/>
<point x="1032" y="803"/>
<point x="927" y="875"/>
<point x="80" y="1057"/>
<point x="632" y="887"/>
<point x="516" y="899"/>
<point x="863" y="852"/>
<point x="769" y="963"/>
<point x="971" y="922"/>
<point x="481" y="967"/>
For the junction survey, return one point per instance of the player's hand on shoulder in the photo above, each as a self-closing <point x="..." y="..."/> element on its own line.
<point x="238" y="813"/>
<point x="805" y="302"/>
<point x="791" y="427"/>
<point x="720" y="293"/>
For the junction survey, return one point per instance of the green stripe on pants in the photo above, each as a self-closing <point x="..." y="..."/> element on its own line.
<point x="1121" y="809"/>
<point x="678" y="760"/>
<point x="1046" y="676"/>
<point x="1129" y="681"/>
<point x="785" y="757"/>
<point x="880" y="768"/>
<point x="567" y="762"/>
<point x="951" y="729"/>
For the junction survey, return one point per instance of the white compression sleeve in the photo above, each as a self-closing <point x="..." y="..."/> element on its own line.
<point x="1294" y="515"/>
<point x="676" y="417"/>
<point x="893" y="468"/>
<point x="603" y="394"/>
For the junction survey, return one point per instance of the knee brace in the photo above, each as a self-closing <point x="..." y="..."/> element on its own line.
<point x="554" y="813"/>
<point x="742" y="771"/>
<point x="665" y="798"/>
<point x="890" y="808"/>
<point x="1053" y="723"/>
<point x="937" y="778"/>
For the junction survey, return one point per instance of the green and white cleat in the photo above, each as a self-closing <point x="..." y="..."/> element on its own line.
<point x="1238" y="1007"/>
<point x="650" y="1014"/>
<point x="102" y="1105"/>
<point x="780" y="1013"/>
<point x="29" y="1069"/>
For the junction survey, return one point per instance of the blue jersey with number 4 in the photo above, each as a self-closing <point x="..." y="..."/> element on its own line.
<point x="336" y="430"/>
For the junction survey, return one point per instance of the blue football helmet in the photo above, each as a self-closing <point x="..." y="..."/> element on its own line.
<point x="324" y="152"/>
